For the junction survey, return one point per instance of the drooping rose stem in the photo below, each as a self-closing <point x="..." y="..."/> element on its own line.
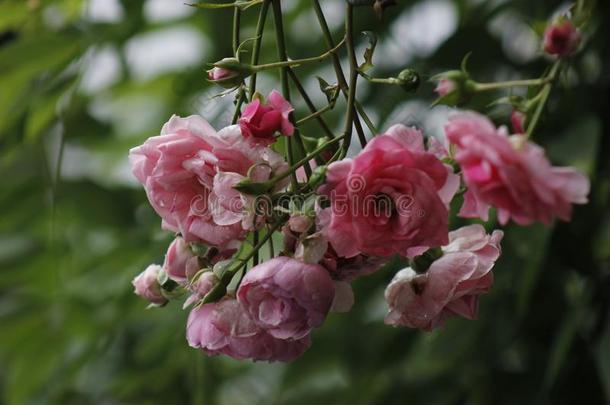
<point x="544" y="96"/>
<point x="330" y="43"/>
<point x="283" y="56"/>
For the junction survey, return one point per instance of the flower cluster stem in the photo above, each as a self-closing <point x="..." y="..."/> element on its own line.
<point x="544" y="96"/>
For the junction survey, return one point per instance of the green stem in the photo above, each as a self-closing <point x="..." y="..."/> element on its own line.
<point x="328" y="38"/>
<point x="544" y="96"/>
<point x="283" y="55"/>
<point x="297" y="62"/>
<point x="316" y="114"/>
<point x="366" y="118"/>
<point x="255" y="242"/>
<point x="511" y="83"/>
<point x="236" y="25"/>
<point x="241" y="97"/>
<point x="353" y="78"/>
<point x="256" y="49"/>
<point x="309" y="103"/>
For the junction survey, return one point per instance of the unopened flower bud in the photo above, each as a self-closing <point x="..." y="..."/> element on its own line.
<point x="561" y="38"/>
<point x="517" y="120"/>
<point x="229" y="72"/>
<point x="147" y="286"/>
<point x="409" y="80"/>
<point x="299" y="223"/>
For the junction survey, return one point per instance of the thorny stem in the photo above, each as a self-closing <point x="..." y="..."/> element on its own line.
<point x="511" y="83"/>
<point x="297" y="62"/>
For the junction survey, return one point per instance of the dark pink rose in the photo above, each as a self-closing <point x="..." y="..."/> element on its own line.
<point x="452" y="284"/>
<point x="561" y="38"/>
<point x="260" y="122"/>
<point x="444" y="87"/>
<point x="225" y="327"/>
<point x="286" y="297"/>
<point x="511" y="174"/>
<point x="391" y="198"/>
<point x="147" y="286"/>
<point x="177" y="170"/>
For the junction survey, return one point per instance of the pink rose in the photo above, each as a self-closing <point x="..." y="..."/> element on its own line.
<point x="180" y="263"/>
<point x="444" y="87"/>
<point x="259" y="122"/>
<point x="391" y="198"/>
<point x="450" y="286"/>
<point x="226" y="328"/>
<point x="147" y="286"/>
<point x="561" y="38"/>
<point x="511" y="174"/>
<point x="200" y="286"/>
<point x="286" y="297"/>
<point x="177" y="170"/>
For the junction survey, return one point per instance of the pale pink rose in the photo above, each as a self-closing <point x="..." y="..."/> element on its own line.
<point x="200" y="286"/>
<point x="177" y="170"/>
<point x="147" y="286"/>
<point x="260" y="122"/>
<point x="452" y="284"/>
<point x="225" y="327"/>
<point x="217" y="73"/>
<point x="286" y="297"/>
<point x="511" y="174"/>
<point x="444" y="87"/>
<point x="561" y="38"/>
<point x="180" y="261"/>
<point x="391" y="198"/>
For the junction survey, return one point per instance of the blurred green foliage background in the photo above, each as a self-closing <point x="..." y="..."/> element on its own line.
<point x="83" y="81"/>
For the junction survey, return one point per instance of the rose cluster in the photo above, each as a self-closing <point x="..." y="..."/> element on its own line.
<point x="392" y="198"/>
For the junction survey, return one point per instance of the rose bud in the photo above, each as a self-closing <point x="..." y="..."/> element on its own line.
<point x="286" y="297"/>
<point x="517" y="120"/>
<point x="147" y="286"/>
<point x="180" y="263"/>
<point x="561" y="38"/>
<point x="261" y="121"/>
<point x="225" y="327"/>
<point x="229" y="73"/>
<point x="450" y="286"/>
<point x="444" y="87"/>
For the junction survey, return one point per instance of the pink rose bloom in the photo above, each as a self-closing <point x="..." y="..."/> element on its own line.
<point x="199" y="288"/>
<point x="391" y="198"/>
<point x="260" y="122"/>
<point x="225" y="327"/>
<point x="177" y="170"/>
<point x="444" y="87"/>
<point x="147" y="286"/>
<point x="286" y="297"/>
<point x="452" y="284"/>
<point x="561" y="38"/>
<point x="511" y="174"/>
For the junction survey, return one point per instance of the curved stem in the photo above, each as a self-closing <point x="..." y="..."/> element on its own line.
<point x="297" y="62"/>
<point x="310" y="104"/>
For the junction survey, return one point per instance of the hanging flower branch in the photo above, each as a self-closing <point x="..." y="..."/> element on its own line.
<point x="320" y="219"/>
